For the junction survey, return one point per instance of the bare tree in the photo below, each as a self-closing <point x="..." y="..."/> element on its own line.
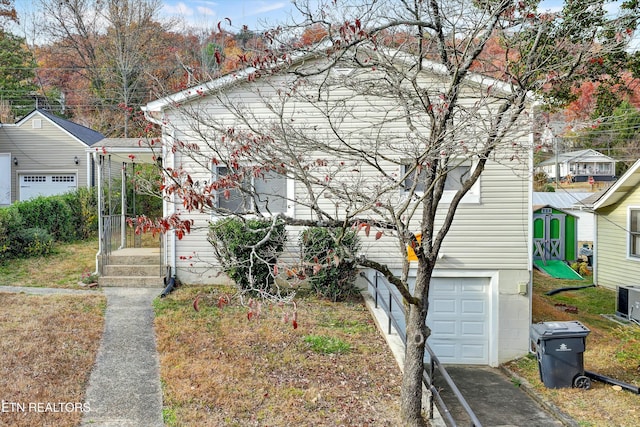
<point x="111" y="44"/>
<point x="386" y="126"/>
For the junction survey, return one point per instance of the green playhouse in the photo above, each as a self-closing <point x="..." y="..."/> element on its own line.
<point x="555" y="241"/>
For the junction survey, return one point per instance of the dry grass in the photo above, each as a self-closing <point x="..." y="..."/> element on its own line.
<point x="612" y="350"/>
<point x="48" y="348"/>
<point x="62" y="269"/>
<point x="220" y="369"/>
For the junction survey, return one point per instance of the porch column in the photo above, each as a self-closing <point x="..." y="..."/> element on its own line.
<point x="98" y="159"/>
<point x="123" y="208"/>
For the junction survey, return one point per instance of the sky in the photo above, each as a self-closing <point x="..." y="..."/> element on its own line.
<point x="207" y="13"/>
<point x="256" y="14"/>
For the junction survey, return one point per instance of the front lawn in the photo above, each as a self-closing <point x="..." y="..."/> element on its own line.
<point x="48" y="347"/>
<point x="62" y="269"/>
<point x="220" y="368"/>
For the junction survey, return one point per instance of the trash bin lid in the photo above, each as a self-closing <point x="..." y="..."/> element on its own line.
<point x="548" y="330"/>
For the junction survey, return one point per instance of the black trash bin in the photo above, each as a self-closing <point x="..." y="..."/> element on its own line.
<point x="560" y="351"/>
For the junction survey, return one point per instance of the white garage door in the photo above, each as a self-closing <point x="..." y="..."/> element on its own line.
<point x="5" y="179"/>
<point x="459" y="320"/>
<point x="46" y="184"/>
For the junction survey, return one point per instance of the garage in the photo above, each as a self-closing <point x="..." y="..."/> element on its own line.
<point x="459" y="317"/>
<point x="46" y="184"/>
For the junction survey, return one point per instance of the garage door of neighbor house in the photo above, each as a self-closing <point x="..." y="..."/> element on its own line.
<point x="459" y="319"/>
<point x="46" y="184"/>
<point x="5" y="179"/>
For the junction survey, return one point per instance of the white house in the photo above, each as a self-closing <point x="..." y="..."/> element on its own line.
<point x="480" y="294"/>
<point x="580" y="166"/>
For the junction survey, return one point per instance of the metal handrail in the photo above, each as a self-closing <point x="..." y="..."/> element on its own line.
<point x="429" y="376"/>
<point x="112" y="240"/>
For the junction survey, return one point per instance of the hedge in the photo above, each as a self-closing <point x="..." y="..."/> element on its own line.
<point x="29" y="228"/>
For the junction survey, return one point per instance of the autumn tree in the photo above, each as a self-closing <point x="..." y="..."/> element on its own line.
<point x="7" y="12"/>
<point x="17" y="72"/>
<point x="385" y="138"/>
<point x="110" y="45"/>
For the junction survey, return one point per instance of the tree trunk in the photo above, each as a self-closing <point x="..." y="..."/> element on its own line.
<point x="417" y="334"/>
<point x="411" y="393"/>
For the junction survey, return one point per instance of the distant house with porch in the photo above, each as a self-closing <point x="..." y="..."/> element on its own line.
<point x="579" y="166"/>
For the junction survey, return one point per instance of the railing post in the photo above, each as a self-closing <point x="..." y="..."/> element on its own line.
<point x="390" y="311"/>
<point x="376" y="286"/>
<point x="431" y="384"/>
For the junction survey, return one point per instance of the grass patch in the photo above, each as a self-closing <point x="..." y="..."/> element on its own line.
<point x="611" y="349"/>
<point x="62" y="269"/>
<point x="219" y="368"/>
<point x="48" y="347"/>
<point x="327" y="345"/>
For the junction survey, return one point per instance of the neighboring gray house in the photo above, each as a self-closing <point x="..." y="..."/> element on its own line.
<point x="479" y="296"/>
<point x="580" y="166"/>
<point x="43" y="154"/>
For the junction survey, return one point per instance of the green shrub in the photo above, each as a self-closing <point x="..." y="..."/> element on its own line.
<point x="10" y="223"/>
<point x="248" y="250"/>
<point x="51" y="214"/>
<point x="84" y="212"/>
<point x="34" y="241"/>
<point x="329" y="257"/>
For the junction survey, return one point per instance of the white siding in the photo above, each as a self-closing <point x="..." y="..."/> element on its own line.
<point x="491" y="234"/>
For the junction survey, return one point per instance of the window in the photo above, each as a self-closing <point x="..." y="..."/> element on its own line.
<point x="453" y="183"/>
<point x="34" y="178"/>
<point x="63" y="178"/>
<point x="634" y="232"/>
<point x="265" y="194"/>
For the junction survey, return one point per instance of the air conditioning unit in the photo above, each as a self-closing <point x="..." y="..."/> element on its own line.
<point x="628" y="302"/>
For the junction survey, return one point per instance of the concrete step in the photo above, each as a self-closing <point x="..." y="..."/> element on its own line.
<point x="132" y="270"/>
<point x="117" y="259"/>
<point x="132" y="281"/>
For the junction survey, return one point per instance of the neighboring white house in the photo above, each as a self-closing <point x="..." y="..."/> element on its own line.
<point x="480" y="304"/>
<point x="580" y="166"/>
<point x="42" y="155"/>
<point x="616" y="254"/>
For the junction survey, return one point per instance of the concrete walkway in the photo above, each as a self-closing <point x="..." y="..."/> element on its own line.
<point x="124" y="387"/>
<point x="47" y="291"/>
<point x="494" y="399"/>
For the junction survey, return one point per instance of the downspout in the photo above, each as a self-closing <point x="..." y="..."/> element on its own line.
<point x="531" y="175"/>
<point x="594" y="258"/>
<point x="170" y="258"/>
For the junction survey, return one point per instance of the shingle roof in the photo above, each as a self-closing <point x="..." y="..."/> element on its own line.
<point x="84" y="134"/>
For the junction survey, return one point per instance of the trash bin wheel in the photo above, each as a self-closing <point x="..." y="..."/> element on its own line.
<point x="582" y="382"/>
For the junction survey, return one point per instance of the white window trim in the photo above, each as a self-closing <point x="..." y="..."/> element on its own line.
<point x="631" y="257"/>
<point x="472" y="196"/>
<point x="290" y="188"/>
